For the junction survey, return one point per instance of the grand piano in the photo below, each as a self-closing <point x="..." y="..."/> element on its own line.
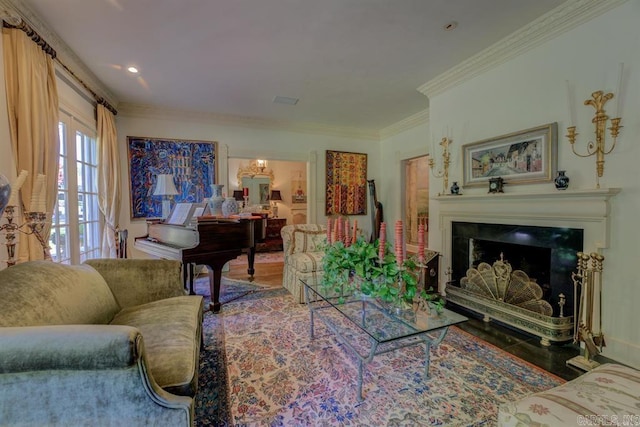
<point x="212" y="242"/>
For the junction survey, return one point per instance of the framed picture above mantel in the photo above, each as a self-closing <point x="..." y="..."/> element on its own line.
<point x="527" y="156"/>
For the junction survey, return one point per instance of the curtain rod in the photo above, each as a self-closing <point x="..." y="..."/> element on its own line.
<point x="46" y="47"/>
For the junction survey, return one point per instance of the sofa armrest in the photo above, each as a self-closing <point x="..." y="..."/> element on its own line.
<point x="139" y="281"/>
<point x="76" y="374"/>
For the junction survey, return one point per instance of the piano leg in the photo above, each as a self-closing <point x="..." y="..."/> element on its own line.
<point x="215" y="278"/>
<point x="188" y="276"/>
<point x="192" y="275"/>
<point x="251" y="257"/>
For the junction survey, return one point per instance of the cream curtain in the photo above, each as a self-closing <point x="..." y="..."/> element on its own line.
<point x="32" y="103"/>
<point x="108" y="179"/>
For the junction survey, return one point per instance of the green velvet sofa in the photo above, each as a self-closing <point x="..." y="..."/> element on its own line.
<point x="110" y="342"/>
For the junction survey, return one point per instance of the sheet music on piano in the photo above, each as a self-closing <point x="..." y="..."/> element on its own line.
<point x="181" y="214"/>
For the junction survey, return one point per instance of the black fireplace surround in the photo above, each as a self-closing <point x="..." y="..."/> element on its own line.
<point x="546" y="254"/>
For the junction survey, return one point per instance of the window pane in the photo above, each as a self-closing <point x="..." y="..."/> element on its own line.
<point x="76" y="225"/>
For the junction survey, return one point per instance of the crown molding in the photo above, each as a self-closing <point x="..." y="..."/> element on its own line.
<point x="64" y="53"/>
<point x="563" y="18"/>
<point x="419" y="118"/>
<point x="133" y="110"/>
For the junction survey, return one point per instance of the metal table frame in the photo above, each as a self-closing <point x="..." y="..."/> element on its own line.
<point x="377" y="346"/>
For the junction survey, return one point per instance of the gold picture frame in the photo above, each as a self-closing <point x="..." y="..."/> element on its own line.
<point x="523" y="157"/>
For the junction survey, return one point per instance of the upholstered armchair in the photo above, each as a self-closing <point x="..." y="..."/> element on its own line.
<point x="303" y="246"/>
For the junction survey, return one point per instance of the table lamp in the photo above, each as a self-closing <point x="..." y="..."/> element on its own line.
<point x="275" y="197"/>
<point x="167" y="189"/>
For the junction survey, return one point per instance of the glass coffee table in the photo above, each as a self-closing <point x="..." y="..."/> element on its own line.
<point x="368" y="328"/>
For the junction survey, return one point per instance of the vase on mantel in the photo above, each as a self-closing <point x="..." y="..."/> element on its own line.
<point x="561" y="181"/>
<point x="215" y="202"/>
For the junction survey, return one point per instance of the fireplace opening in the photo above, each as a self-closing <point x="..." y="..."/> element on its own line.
<point x="533" y="260"/>
<point x="546" y="254"/>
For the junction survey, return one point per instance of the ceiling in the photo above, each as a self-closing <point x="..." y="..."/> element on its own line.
<point x="351" y="63"/>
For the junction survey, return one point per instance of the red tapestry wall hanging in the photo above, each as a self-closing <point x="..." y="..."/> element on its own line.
<point x="346" y="183"/>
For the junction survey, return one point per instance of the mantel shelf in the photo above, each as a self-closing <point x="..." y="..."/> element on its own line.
<point x="599" y="193"/>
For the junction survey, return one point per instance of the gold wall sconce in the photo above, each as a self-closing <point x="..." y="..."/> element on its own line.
<point x="446" y="161"/>
<point x="261" y="164"/>
<point x="600" y="119"/>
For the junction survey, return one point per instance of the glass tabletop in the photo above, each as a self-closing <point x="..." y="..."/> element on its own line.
<point x="383" y="323"/>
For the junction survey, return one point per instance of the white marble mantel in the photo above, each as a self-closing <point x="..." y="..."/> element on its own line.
<point x="582" y="209"/>
<point x="587" y="210"/>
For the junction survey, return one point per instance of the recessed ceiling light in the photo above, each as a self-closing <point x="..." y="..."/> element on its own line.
<point x="451" y="26"/>
<point x="132" y="70"/>
<point x="285" y="100"/>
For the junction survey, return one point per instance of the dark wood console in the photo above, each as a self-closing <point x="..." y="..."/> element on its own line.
<point x="273" y="239"/>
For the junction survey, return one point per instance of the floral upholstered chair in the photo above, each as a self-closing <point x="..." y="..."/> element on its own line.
<point x="303" y="246"/>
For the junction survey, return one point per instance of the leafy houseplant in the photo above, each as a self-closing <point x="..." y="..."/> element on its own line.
<point x="358" y="268"/>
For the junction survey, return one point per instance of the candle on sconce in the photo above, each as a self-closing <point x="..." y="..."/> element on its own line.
<point x="570" y="105"/>
<point x="618" y="94"/>
<point x="16" y="186"/>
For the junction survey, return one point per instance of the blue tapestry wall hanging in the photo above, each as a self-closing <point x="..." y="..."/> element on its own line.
<point x="193" y="165"/>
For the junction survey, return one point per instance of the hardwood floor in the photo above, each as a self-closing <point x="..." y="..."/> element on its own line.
<point x="266" y="273"/>
<point x="552" y="359"/>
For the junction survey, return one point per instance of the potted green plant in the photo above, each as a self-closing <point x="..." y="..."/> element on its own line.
<point x="358" y="268"/>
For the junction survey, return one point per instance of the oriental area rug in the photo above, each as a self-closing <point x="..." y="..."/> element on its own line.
<point x="259" y="367"/>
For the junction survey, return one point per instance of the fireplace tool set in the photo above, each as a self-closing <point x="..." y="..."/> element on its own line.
<point x="588" y="281"/>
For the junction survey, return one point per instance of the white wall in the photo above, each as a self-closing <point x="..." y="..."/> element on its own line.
<point x="237" y="142"/>
<point x="530" y="90"/>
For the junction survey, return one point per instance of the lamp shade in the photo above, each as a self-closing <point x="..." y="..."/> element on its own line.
<point x="275" y="195"/>
<point x="165" y="185"/>
<point x="238" y="195"/>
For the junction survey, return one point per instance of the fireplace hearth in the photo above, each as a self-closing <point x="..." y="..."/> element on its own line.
<point x="586" y="211"/>
<point x="519" y="275"/>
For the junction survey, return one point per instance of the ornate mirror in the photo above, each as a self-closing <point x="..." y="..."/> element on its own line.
<point x="258" y="180"/>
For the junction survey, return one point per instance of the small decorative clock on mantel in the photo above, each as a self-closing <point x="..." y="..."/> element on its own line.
<point x="495" y="185"/>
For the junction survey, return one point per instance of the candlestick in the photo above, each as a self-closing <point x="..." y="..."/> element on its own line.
<point x="338" y="230"/>
<point x="245" y="192"/>
<point x="421" y="243"/>
<point x="347" y="229"/>
<point x="354" y="236"/>
<point x="382" y="241"/>
<point x="398" y="243"/>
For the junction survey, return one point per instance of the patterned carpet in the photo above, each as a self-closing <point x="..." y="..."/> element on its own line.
<point x="276" y="375"/>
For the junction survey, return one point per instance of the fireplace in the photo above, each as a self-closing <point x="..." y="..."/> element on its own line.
<point x="536" y="233"/>
<point x="546" y="254"/>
